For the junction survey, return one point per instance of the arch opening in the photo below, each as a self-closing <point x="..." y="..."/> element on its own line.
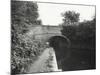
<point x="61" y="45"/>
<point x="59" y="41"/>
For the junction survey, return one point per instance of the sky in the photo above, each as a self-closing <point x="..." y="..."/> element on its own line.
<point x="50" y="14"/>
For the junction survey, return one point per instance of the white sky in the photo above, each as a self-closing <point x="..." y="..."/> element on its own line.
<point x="50" y="14"/>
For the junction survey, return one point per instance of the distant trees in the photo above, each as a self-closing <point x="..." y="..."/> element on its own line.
<point x="70" y="17"/>
<point x="80" y="31"/>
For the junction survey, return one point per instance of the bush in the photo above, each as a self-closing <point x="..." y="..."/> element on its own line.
<point x="25" y="52"/>
<point x="82" y="33"/>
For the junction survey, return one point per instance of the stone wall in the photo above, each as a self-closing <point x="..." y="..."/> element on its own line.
<point x="44" y="32"/>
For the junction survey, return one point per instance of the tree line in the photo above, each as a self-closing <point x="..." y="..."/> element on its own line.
<point x="78" y="32"/>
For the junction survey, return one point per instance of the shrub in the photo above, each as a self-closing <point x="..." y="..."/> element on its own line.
<point x="25" y="52"/>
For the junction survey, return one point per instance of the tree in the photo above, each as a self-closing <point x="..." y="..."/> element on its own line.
<point x="70" y="17"/>
<point x="24" y="14"/>
<point x="83" y="40"/>
<point x="24" y="11"/>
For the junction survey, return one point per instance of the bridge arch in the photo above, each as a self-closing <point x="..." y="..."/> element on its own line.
<point x="58" y="39"/>
<point x="61" y="46"/>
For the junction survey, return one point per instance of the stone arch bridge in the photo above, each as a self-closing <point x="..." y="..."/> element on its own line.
<point x="52" y="35"/>
<point x="44" y="32"/>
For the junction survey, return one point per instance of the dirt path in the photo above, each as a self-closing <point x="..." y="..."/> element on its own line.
<point x="45" y="63"/>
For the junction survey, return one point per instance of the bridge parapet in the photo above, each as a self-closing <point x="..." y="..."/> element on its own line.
<point x="41" y="32"/>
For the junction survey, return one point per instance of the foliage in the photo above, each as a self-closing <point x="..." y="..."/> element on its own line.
<point x="70" y="17"/>
<point x="23" y="11"/>
<point x="83" y="45"/>
<point x="23" y="49"/>
<point x="84" y="32"/>
<point x="23" y="53"/>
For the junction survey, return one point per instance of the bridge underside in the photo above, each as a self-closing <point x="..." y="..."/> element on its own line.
<point x="61" y="47"/>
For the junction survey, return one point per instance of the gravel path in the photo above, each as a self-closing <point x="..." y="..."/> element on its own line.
<point x="45" y="63"/>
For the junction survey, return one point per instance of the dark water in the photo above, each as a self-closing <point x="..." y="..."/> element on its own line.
<point x="69" y="58"/>
<point x="80" y="59"/>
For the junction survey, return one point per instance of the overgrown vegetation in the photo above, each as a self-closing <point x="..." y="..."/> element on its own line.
<point x="83" y="37"/>
<point x="23" y="49"/>
<point x="81" y="33"/>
